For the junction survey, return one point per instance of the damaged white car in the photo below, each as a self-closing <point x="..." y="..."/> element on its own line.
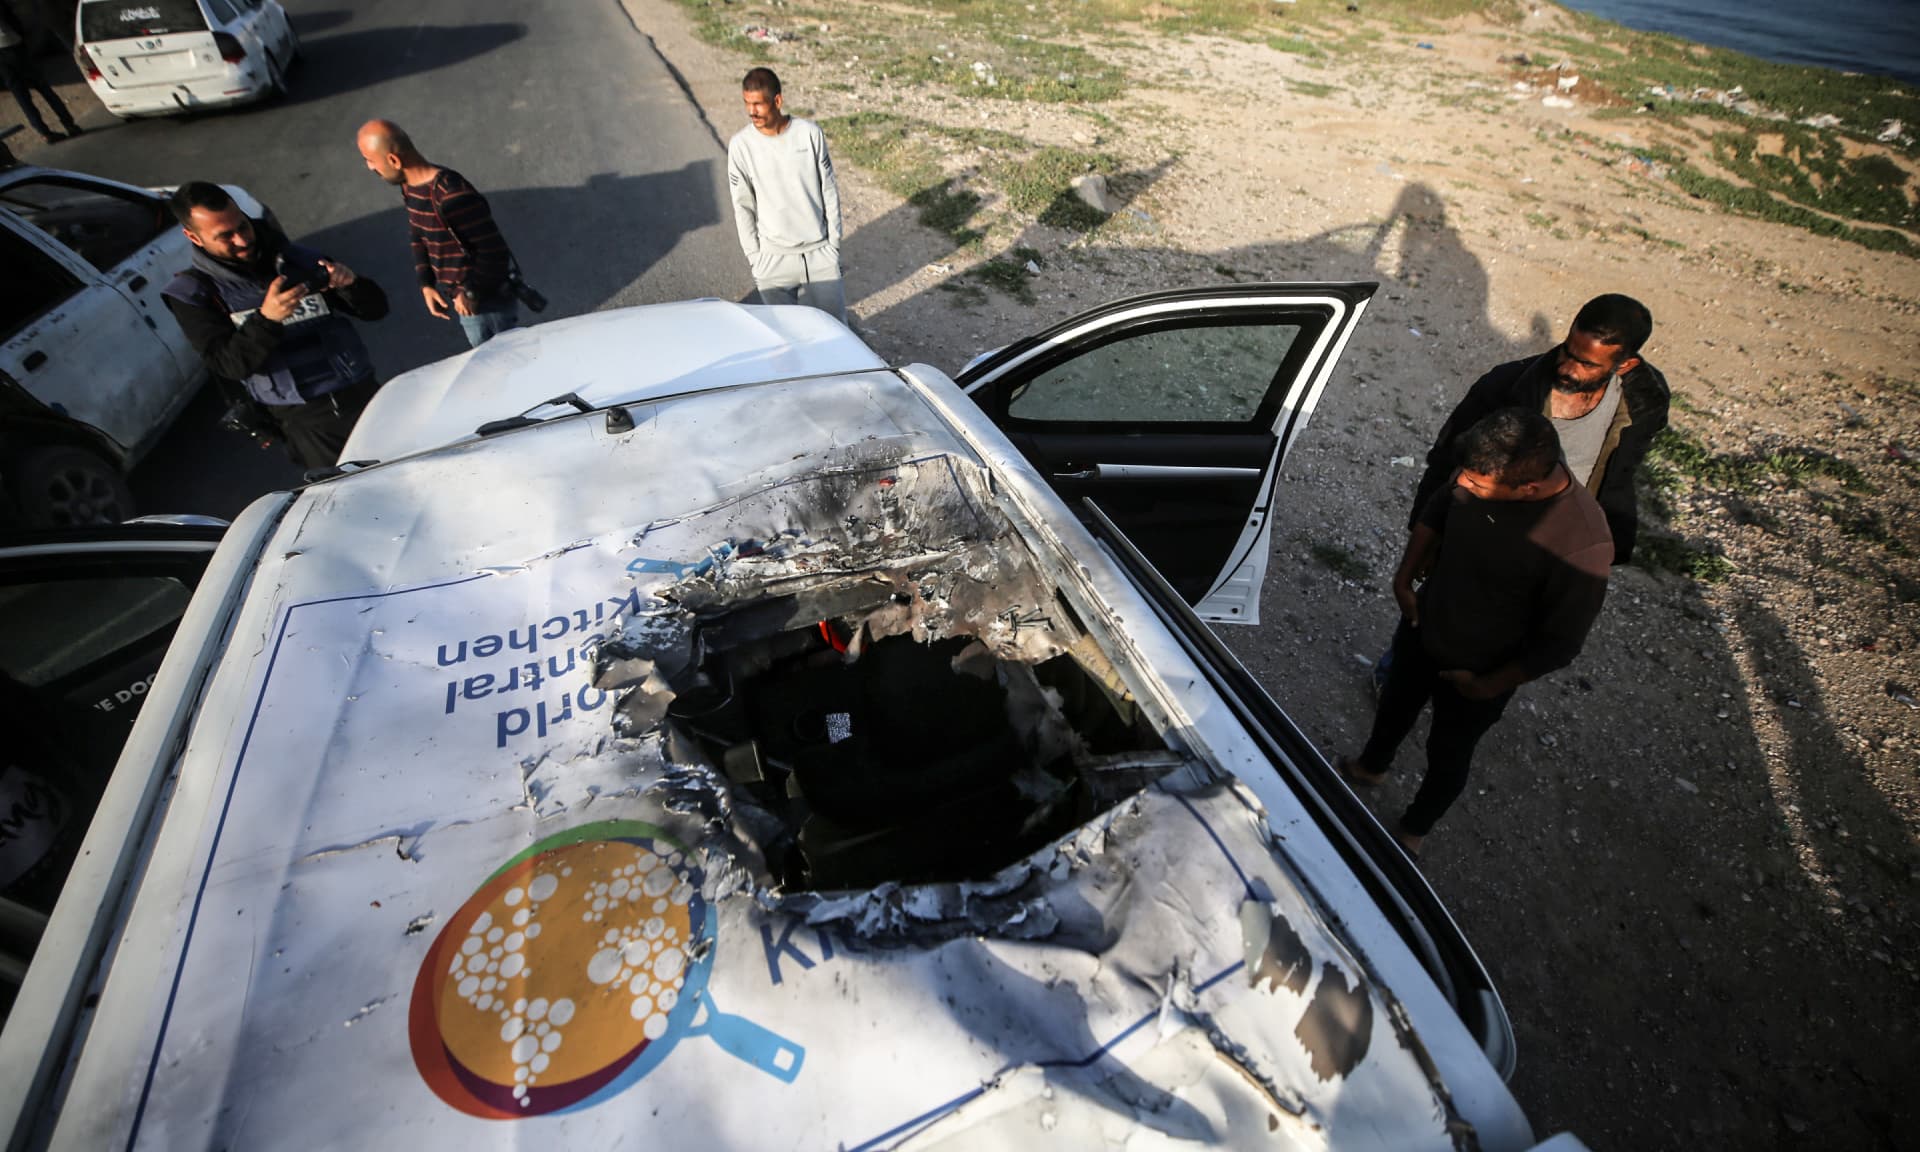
<point x="760" y="746"/>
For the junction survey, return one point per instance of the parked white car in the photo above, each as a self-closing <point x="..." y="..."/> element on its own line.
<point x="93" y="368"/>
<point x="162" y="57"/>
<point x="677" y="721"/>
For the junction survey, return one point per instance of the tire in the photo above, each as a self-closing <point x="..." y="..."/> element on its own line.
<point x="64" y="487"/>
<point x="276" y="79"/>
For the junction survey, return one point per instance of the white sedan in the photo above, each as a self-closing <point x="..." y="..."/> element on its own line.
<point x="164" y="57"/>
<point x="677" y="721"/>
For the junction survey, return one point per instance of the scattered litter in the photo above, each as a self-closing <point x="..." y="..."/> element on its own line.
<point x="765" y="35"/>
<point x="1899" y="453"/>
<point x="940" y="269"/>
<point x="1646" y="166"/>
<point x="1414" y="331"/>
<point x="1396" y="462"/>
<point x="1556" y="101"/>
<point x="1568" y="83"/>
<point x="1901" y="695"/>
<point x="1824" y="120"/>
<point x="1686" y="785"/>
<point x="1425" y="45"/>
<point x="1892" y="131"/>
<point x="983" y="75"/>
<point x="1032" y="268"/>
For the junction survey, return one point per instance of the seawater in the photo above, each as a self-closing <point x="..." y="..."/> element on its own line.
<point x="1877" y="36"/>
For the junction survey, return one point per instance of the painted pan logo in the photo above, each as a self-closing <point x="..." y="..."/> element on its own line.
<point x="570" y="974"/>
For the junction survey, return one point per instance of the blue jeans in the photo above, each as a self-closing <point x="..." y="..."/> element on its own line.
<point x="485" y="326"/>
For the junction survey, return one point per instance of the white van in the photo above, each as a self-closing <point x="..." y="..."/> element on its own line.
<point x="157" y="57"/>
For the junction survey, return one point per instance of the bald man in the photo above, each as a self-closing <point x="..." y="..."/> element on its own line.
<point x="462" y="262"/>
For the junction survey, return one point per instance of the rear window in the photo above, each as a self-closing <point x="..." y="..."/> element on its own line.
<point x="120" y="19"/>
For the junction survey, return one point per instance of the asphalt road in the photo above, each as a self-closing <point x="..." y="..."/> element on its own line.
<point x="606" y="180"/>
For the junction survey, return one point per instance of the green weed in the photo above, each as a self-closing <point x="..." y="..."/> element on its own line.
<point x="1341" y="561"/>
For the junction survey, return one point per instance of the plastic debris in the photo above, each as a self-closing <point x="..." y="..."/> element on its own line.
<point x="1568" y="83"/>
<point x="1396" y="462"/>
<point x="1556" y="101"/>
<point x="1033" y="269"/>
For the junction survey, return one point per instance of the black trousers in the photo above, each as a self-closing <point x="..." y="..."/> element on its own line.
<point x="19" y="72"/>
<point x="1458" y="724"/>
<point x="317" y="430"/>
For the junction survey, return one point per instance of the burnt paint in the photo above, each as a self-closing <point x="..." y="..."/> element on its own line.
<point x="1338" y="1025"/>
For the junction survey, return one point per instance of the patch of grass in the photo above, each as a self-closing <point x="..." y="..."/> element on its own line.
<point x="1296" y="46"/>
<point x="903" y="156"/>
<point x="1311" y="89"/>
<point x="1869" y="526"/>
<point x="1656" y="552"/>
<point x="1677" y="459"/>
<point x="1341" y="561"/>
<point x="1041" y="185"/>
<point x="1008" y="274"/>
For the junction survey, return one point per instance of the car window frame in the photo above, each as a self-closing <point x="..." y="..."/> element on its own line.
<point x="98" y="187"/>
<point x="50" y="250"/>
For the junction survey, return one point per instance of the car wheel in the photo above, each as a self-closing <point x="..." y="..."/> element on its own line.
<point x="63" y="487"/>
<point x="276" y="79"/>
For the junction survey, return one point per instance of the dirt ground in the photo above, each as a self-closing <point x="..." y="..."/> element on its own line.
<point x="1689" y="860"/>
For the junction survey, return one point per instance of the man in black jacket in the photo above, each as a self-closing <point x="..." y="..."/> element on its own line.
<point x="1514" y="555"/>
<point x="1606" y="404"/>
<point x="272" y="316"/>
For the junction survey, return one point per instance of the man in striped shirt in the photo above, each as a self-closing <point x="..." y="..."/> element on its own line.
<point x="460" y="257"/>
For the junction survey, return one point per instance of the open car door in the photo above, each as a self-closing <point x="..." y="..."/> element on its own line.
<point x="85" y="617"/>
<point x="1174" y="411"/>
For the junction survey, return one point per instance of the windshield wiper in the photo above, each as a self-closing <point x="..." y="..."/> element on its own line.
<point x="525" y="421"/>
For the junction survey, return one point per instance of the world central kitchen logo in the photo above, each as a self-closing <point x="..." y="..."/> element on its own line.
<point x="572" y="972"/>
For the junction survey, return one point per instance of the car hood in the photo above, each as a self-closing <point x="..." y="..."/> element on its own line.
<point x="615" y="357"/>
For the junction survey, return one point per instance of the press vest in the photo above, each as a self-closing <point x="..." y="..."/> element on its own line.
<point x="320" y="351"/>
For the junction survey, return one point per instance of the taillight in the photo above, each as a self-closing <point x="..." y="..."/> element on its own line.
<point x="87" y="67"/>
<point x="230" y="49"/>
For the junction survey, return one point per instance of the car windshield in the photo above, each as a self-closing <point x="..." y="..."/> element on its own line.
<point x="121" y="19"/>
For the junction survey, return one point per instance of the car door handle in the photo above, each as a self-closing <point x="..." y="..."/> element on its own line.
<point x="33" y="360"/>
<point x="137" y="283"/>
<point x="1092" y="473"/>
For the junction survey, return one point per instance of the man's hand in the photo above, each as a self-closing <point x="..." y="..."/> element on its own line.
<point x="282" y="299"/>
<point x="1407" y="598"/>
<point x="338" y="275"/>
<point x="436" y="303"/>
<point x="463" y="303"/>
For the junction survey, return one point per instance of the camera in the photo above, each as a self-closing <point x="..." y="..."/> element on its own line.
<point x="311" y="276"/>
<point x="526" y="293"/>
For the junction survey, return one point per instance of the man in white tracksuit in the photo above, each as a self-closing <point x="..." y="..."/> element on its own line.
<point x="785" y="202"/>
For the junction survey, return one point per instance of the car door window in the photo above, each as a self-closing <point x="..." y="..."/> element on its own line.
<point x="33" y="283"/>
<point x="103" y="225"/>
<point x="1171" y="413"/>
<point x="222" y="12"/>
<point x="1213" y="374"/>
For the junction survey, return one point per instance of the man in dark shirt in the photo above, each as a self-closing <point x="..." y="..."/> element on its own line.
<point x="271" y="315"/>
<point x="461" y="259"/>
<point x="1515" y="556"/>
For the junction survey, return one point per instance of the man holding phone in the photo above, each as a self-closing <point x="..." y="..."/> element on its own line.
<point x="272" y="316"/>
